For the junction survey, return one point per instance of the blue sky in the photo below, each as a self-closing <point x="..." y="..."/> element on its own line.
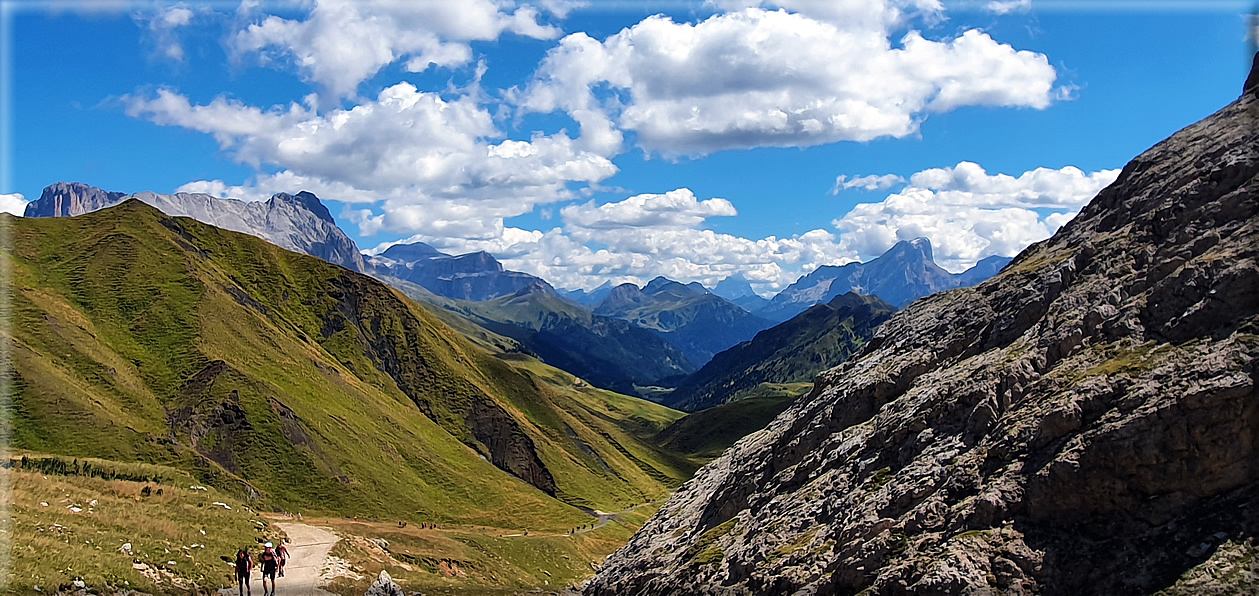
<point x="611" y="141"/>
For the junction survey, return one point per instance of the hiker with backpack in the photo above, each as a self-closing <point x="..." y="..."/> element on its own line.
<point x="283" y="551"/>
<point x="244" y="564"/>
<point x="270" y="562"/>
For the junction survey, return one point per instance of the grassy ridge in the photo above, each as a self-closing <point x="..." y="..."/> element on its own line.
<point x="139" y="337"/>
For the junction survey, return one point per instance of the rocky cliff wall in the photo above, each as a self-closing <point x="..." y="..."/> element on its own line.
<point x="1085" y="422"/>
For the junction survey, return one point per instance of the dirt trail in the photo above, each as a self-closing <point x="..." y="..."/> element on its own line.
<point x="308" y="550"/>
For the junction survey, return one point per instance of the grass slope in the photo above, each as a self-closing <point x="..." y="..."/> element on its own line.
<point x="823" y="336"/>
<point x="177" y="533"/>
<point x="139" y="337"/>
<point x="703" y="435"/>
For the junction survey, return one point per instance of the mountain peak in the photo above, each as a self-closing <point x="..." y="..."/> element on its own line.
<point x="734" y="287"/>
<point x="308" y="201"/>
<point x="411" y="252"/>
<point x="919" y="247"/>
<point x="67" y="199"/>
<point x="664" y="284"/>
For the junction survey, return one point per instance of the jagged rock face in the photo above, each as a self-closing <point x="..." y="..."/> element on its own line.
<point x="1085" y="422"/>
<point x="66" y="199"/>
<point x="300" y="222"/>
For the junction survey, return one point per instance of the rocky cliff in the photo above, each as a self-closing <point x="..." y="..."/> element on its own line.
<point x="1084" y="422"/>
<point x="298" y="222"/>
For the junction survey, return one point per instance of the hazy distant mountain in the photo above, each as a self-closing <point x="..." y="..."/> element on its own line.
<point x="687" y="315"/>
<point x="297" y="222"/>
<point x="821" y="337"/>
<point x="906" y="272"/>
<point x="474" y="276"/>
<point x="606" y="352"/>
<point x="590" y="298"/>
<point x="736" y="289"/>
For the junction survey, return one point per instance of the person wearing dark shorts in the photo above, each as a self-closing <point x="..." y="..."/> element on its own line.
<point x="270" y="562"/>
<point x="283" y="551"/>
<point x="244" y="564"/>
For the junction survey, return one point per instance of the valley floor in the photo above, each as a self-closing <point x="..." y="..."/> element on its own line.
<point x="110" y="527"/>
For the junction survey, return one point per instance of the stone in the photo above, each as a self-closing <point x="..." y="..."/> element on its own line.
<point x="384" y="586"/>
<point x="1093" y="414"/>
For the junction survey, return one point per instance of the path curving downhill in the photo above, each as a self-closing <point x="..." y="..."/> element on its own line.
<point x="308" y="551"/>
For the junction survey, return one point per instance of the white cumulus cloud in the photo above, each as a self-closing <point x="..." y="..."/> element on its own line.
<point x="969" y="214"/>
<point x="433" y="164"/>
<point x="341" y="43"/>
<point x="674" y="209"/>
<point x="14" y="204"/>
<point x="757" y="77"/>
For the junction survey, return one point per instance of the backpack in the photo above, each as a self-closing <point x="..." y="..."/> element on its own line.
<point x="242" y="563"/>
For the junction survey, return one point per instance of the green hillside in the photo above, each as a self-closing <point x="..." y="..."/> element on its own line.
<point x="823" y="336"/>
<point x="137" y="337"/>
<point x="706" y="433"/>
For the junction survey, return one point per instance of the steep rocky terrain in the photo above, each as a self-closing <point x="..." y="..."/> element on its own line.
<point x="906" y="272"/>
<point x="1084" y="422"/>
<point x="297" y="222"/>
<point x="474" y="276"/>
<point x="791" y="352"/>
<point x="140" y="337"/>
<point x="688" y="316"/>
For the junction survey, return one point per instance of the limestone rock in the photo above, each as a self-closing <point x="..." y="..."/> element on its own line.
<point x="300" y="222"/>
<point x="384" y="586"/>
<point x="1081" y="423"/>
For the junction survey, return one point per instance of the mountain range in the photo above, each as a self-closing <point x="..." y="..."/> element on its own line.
<point x="688" y="316"/>
<point x="607" y="352"/>
<point x="906" y="272"/>
<point x="297" y="222"/>
<point x="476" y="276"/>
<point x="1084" y="422"/>
<point x="624" y="338"/>
<point x="794" y="351"/>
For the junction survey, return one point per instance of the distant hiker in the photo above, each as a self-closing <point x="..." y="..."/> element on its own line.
<point x="283" y="551"/>
<point x="244" y="565"/>
<point x="270" y="562"/>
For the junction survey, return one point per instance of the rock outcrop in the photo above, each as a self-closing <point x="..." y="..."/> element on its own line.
<point x="384" y="586"/>
<point x="1087" y="421"/>
<point x="300" y="222"/>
